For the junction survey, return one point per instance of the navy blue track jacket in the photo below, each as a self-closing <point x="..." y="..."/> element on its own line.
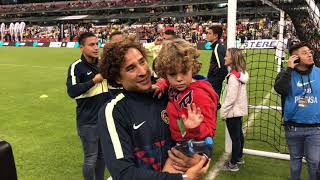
<point x="89" y="96"/>
<point x="135" y="137"/>
<point x="217" y="70"/>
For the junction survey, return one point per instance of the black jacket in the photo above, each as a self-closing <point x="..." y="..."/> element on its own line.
<point x="217" y="70"/>
<point x="135" y="137"/>
<point x="89" y="96"/>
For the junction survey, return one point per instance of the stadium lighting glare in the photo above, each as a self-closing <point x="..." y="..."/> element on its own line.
<point x="222" y="5"/>
<point x="73" y="17"/>
<point x="114" y="20"/>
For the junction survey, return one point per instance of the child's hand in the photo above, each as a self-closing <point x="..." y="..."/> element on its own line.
<point x="195" y="117"/>
<point x="157" y="91"/>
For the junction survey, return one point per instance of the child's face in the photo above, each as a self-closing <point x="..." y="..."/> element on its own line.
<point x="227" y="59"/>
<point x="180" y="81"/>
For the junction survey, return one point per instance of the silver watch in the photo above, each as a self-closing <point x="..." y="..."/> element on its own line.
<point x="184" y="177"/>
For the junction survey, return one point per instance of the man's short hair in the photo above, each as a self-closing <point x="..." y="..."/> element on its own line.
<point x="170" y="32"/>
<point x="116" y="33"/>
<point x="298" y="46"/>
<point x="84" y="36"/>
<point x="113" y="57"/>
<point x="216" y="29"/>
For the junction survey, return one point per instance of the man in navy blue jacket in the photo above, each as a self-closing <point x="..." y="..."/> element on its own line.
<point x="90" y="90"/>
<point x="217" y="69"/>
<point x="133" y="127"/>
<point x="299" y="86"/>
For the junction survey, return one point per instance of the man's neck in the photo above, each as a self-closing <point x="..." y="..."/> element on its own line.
<point x="214" y="41"/>
<point x="90" y="60"/>
<point x="302" y="68"/>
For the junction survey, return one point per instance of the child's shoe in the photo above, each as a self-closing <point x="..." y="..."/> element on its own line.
<point x="228" y="166"/>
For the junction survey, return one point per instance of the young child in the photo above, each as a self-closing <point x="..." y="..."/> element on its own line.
<point x="192" y="103"/>
<point x="235" y="105"/>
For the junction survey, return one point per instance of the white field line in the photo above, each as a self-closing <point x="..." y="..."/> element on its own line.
<point x="23" y="65"/>
<point x="214" y="170"/>
<point x="257" y="111"/>
<point x="265" y="107"/>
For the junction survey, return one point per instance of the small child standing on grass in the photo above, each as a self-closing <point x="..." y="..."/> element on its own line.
<point x="192" y="103"/>
<point x="235" y="105"/>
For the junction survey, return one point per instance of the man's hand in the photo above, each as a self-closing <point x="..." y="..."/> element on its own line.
<point x="182" y="162"/>
<point x="97" y="78"/>
<point x="168" y="167"/>
<point x="291" y="60"/>
<point x="158" y="41"/>
<point x="198" y="170"/>
<point x="195" y="117"/>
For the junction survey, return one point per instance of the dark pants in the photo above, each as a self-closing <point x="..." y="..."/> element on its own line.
<point x="93" y="165"/>
<point x="217" y="86"/>
<point x="234" y="126"/>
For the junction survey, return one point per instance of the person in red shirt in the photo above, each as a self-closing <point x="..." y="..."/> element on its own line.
<point x="192" y="103"/>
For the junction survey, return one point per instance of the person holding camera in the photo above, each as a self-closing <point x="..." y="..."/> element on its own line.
<point x="299" y="87"/>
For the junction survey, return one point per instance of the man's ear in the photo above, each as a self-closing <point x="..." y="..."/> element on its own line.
<point x="118" y="80"/>
<point x="216" y="36"/>
<point x="81" y="47"/>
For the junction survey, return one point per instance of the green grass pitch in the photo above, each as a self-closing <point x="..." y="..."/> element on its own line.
<point x="43" y="134"/>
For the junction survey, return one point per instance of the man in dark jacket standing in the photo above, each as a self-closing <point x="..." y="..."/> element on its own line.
<point x="217" y="70"/>
<point x="90" y="91"/>
<point x="299" y="87"/>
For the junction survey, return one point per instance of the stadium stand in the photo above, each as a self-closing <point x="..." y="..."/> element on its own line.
<point x="64" y="20"/>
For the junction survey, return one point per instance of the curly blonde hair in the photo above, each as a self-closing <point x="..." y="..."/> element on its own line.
<point x="175" y="56"/>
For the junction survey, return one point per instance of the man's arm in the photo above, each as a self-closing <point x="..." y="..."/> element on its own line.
<point x="74" y="87"/>
<point x="118" y="148"/>
<point x="221" y="70"/>
<point x="221" y="54"/>
<point x="283" y="82"/>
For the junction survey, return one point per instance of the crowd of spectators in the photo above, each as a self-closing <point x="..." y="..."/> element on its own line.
<point x="66" y="5"/>
<point x="193" y="30"/>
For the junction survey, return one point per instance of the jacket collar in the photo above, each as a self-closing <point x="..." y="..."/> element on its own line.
<point x="93" y="66"/>
<point x="308" y="71"/>
<point x="214" y="44"/>
<point x="83" y="58"/>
